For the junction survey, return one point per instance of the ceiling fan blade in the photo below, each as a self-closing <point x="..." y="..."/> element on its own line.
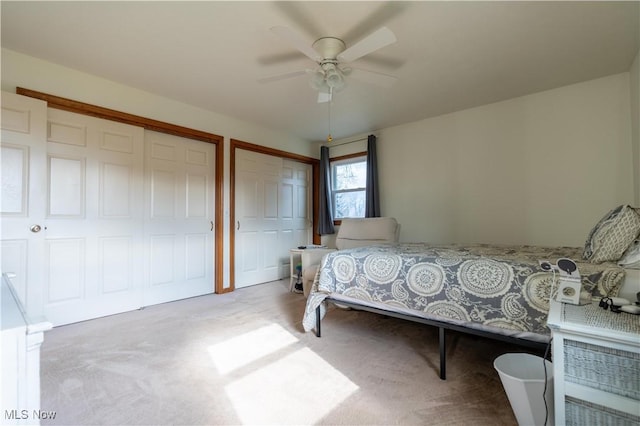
<point x="374" y="41"/>
<point x="372" y="77"/>
<point x="297" y="41"/>
<point x="282" y="76"/>
<point x="280" y="58"/>
<point x="299" y="13"/>
<point x="379" y="17"/>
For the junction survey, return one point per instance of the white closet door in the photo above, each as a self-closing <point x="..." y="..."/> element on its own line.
<point x="179" y="228"/>
<point x="272" y="215"/>
<point x="23" y="153"/>
<point x="93" y="246"/>
<point x="295" y="208"/>
<point x="83" y="235"/>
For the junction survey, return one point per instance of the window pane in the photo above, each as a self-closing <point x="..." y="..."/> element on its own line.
<point x="350" y="175"/>
<point x="349" y="204"/>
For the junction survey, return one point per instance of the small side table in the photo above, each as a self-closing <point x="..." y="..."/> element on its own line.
<point x="295" y="257"/>
<point x="596" y="365"/>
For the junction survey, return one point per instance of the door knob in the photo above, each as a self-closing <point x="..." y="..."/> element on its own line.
<point x="35" y="228"/>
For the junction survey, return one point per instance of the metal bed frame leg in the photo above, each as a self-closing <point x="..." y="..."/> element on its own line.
<point x="442" y="328"/>
<point x="443" y="354"/>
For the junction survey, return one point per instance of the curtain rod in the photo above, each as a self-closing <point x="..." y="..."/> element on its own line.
<point x="331" y="145"/>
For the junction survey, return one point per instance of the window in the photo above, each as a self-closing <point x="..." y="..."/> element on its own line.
<point x="349" y="180"/>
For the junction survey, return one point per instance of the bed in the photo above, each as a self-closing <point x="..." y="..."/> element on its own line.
<point x="495" y="291"/>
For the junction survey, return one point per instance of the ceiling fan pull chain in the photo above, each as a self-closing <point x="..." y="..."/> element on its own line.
<point x="329" y="137"/>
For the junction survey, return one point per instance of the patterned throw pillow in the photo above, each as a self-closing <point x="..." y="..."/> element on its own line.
<point x="613" y="234"/>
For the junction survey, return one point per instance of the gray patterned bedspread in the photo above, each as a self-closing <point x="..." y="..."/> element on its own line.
<point x="496" y="288"/>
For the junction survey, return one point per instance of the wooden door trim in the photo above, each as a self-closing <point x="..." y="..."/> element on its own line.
<point x="238" y="144"/>
<point x="162" y="127"/>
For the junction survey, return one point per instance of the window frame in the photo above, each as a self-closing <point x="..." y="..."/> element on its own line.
<point x="357" y="157"/>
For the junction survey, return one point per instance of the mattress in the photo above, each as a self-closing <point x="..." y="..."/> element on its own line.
<point x="494" y="288"/>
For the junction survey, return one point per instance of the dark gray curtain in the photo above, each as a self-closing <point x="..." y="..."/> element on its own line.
<point x="325" y="215"/>
<point x="372" y="194"/>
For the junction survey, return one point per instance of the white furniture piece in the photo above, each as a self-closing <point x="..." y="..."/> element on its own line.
<point x="21" y="340"/>
<point x="295" y="255"/>
<point x="353" y="232"/>
<point x="596" y="365"/>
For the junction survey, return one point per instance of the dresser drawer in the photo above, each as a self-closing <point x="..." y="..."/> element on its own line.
<point x="599" y="367"/>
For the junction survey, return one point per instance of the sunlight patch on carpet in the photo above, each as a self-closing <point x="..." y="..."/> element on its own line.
<point x="249" y="347"/>
<point x="299" y="388"/>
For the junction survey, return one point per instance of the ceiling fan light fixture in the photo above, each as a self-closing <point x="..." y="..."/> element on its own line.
<point x="317" y="81"/>
<point x="334" y="79"/>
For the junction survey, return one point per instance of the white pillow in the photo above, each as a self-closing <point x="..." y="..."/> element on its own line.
<point x="612" y="235"/>
<point x="631" y="257"/>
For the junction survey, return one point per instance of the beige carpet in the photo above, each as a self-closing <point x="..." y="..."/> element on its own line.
<point x="242" y="358"/>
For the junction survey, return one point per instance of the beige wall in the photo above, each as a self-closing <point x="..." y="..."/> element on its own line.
<point x="539" y="169"/>
<point x="634" y="81"/>
<point x="19" y="70"/>
<point x="36" y="74"/>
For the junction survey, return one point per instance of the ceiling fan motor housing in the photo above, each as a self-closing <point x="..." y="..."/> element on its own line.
<point x="329" y="47"/>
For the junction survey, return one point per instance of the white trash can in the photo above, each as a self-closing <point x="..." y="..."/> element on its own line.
<point x="523" y="379"/>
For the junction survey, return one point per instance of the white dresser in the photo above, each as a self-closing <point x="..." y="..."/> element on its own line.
<point x="20" y="344"/>
<point x="596" y="365"/>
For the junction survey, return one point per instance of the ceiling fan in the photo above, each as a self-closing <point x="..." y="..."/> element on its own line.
<point x="331" y="54"/>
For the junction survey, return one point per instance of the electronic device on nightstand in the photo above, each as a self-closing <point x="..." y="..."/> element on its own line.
<point x="569" y="282"/>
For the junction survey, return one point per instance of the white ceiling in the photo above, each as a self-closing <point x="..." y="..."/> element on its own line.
<point x="449" y="55"/>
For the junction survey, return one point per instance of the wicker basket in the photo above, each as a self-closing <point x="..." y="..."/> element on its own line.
<point x="599" y="368"/>
<point x="581" y="413"/>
